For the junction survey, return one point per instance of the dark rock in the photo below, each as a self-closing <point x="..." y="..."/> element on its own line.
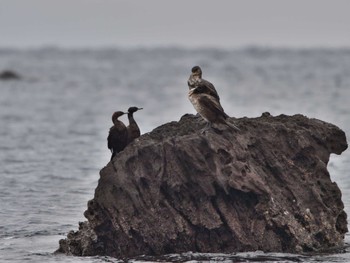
<point x="265" y="187"/>
<point x="8" y="75"/>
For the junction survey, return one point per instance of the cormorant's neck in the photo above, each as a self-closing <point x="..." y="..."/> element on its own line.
<point x="116" y="122"/>
<point x="131" y="117"/>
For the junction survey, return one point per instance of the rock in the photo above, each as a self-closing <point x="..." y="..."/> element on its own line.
<point x="8" y="75"/>
<point x="174" y="189"/>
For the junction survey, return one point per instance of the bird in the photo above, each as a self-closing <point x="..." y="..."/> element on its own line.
<point x="133" y="129"/>
<point x="118" y="135"/>
<point x="208" y="107"/>
<point x="195" y="80"/>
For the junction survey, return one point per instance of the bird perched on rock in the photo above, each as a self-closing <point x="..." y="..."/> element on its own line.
<point x="196" y="80"/>
<point x="133" y="128"/>
<point x="118" y="135"/>
<point x="208" y="107"/>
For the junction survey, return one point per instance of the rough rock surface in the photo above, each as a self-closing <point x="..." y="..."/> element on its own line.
<point x="265" y="187"/>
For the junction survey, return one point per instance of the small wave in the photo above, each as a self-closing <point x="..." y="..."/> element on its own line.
<point x="8" y="238"/>
<point x="221" y="257"/>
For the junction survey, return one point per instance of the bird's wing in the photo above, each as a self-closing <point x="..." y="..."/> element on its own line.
<point x="110" y="138"/>
<point x="117" y="139"/>
<point x="210" y="88"/>
<point x="212" y="105"/>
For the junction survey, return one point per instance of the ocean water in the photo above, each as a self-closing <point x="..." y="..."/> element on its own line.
<point x="54" y="123"/>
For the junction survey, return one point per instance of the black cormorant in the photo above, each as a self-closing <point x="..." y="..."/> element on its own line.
<point x="118" y="135"/>
<point x="133" y="128"/>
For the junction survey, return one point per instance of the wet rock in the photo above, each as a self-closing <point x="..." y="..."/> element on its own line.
<point x="174" y="189"/>
<point x="9" y="75"/>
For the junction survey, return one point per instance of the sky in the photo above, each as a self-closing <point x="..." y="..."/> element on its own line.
<point x="184" y="23"/>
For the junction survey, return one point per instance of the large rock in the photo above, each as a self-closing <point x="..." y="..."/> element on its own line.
<point x="265" y="187"/>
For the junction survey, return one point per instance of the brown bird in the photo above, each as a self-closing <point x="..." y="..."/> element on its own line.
<point x="133" y="128"/>
<point x="118" y="135"/>
<point x="208" y="107"/>
<point x="196" y="80"/>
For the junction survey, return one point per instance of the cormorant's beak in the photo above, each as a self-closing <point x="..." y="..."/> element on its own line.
<point x="139" y="108"/>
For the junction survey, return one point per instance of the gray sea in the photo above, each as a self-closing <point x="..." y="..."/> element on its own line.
<point x="54" y="123"/>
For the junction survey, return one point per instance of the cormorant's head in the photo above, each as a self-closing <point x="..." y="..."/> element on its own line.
<point x="116" y="115"/>
<point x="196" y="70"/>
<point x="134" y="109"/>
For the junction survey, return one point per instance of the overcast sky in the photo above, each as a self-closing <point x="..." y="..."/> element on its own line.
<point x="189" y="23"/>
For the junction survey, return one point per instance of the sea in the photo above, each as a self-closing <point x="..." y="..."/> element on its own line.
<point x="55" y="118"/>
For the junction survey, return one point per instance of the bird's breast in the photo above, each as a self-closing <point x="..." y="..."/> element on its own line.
<point x="199" y="107"/>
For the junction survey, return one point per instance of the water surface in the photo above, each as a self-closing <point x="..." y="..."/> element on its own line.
<point x="55" y="120"/>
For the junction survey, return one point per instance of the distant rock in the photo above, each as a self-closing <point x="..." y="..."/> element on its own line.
<point x="9" y="75"/>
<point x="174" y="189"/>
